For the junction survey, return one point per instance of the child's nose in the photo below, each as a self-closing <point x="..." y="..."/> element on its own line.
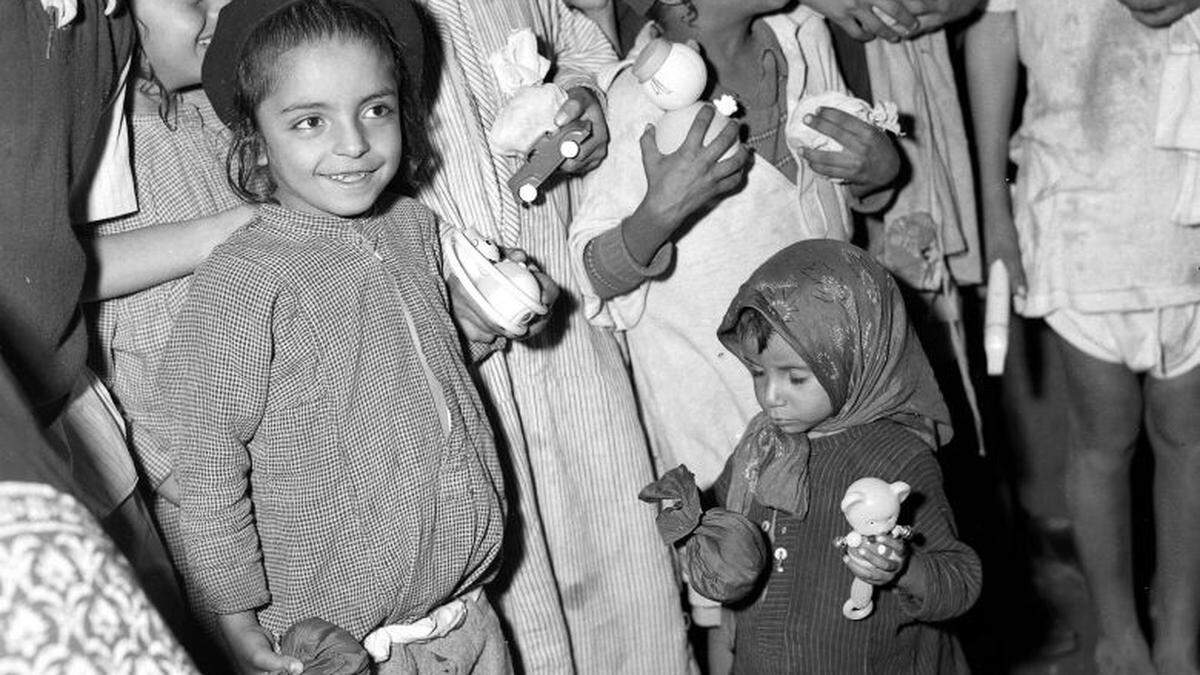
<point x="352" y="142"/>
<point x="771" y="394"/>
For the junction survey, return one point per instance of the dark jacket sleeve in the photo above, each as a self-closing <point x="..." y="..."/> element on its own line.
<point x="952" y="569"/>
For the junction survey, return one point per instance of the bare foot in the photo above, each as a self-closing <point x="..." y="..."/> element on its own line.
<point x="1125" y="654"/>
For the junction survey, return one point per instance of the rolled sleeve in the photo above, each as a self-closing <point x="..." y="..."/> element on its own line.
<point x="613" y="270"/>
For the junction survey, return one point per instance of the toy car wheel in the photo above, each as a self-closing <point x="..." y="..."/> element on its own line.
<point x="569" y="149"/>
<point x="528" y="193"/>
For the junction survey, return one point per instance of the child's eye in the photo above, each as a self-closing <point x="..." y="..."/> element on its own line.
<point x="796" y="378"/>
<point x="756" y="372"/>
<point x="307" y="123"/>
<point x="378" y="110"/>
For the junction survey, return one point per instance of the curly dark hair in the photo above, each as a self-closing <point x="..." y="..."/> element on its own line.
<point x="298" y="24"/>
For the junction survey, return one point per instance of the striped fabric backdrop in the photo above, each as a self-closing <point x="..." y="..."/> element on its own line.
<point x="588" y="586"/>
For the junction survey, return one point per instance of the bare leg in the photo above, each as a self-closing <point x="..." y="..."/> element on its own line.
<point x="1104" y="408"/>
<point x="1173" y="425"/>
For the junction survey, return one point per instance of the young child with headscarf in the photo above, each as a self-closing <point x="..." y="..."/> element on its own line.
<point x="846" y="393"/>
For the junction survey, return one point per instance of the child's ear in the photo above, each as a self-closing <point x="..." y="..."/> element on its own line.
<point x="900" y="489"/>
<point x="262" y="160"/>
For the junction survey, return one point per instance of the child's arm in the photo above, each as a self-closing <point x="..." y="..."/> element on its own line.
<point x="678" y="186"/>
<point x="215" y="374"/>
<point x="943" y="576"/>
<point x="992" y="69"/>
<point x="133" y="261"/>
<point x="580" y="49"/>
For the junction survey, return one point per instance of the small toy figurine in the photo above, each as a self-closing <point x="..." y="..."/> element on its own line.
<point x="872" y="507"/>
<point x="505" y="290"/>
<point x="547" y="154"/>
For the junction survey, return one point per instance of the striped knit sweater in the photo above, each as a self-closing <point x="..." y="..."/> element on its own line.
<point x="794" y="624"/>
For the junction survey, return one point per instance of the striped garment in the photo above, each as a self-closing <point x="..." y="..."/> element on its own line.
<point x="795" y="623"/>
<point x="332" y="453"/>
<point x="588" y="585"/>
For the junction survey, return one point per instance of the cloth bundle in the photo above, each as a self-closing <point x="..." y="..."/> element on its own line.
<point x="724" y="552"/>
<point x="325" y="649"/>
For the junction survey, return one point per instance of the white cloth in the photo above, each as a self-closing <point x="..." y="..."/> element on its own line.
<point x="436" y="624"/>
<point x="696" y="397"/>
<point x="109" y="191"/>
<point x="1094" y="196"/>
<point x="1178" y="126"/>
<point x="1164" y="342"/>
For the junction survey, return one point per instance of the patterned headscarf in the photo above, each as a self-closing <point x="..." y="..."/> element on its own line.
<point x="843" y="314"/>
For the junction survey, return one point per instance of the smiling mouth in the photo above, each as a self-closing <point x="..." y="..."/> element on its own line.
<point x="349" y="177"/>
<point x="204" y="41"/>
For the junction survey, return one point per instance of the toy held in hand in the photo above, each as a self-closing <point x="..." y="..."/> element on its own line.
<point x="551" y="150"/>
<point x="672" y="128"/>
<point x="872" y="507"/>
<point x="325" y="648"/>
<point x="672" y="74"/>
<point x="884" y="116"/>
<point x="722" y="552"/>
<point x="505" y="290"/>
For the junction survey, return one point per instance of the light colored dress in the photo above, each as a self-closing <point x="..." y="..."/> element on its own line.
<point x="696" y="396"/>
<point x="1094" y="196"/>
<point x="588" y="585"/>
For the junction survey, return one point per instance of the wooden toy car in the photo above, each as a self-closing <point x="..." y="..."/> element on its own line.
<point x="544" y="158"/>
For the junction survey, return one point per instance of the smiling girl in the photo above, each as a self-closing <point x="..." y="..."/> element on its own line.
<point x="332" y="454"/>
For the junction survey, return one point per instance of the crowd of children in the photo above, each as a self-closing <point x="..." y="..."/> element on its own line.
<point x="351" y="465"/>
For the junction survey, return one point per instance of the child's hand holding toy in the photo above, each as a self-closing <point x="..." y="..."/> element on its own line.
<point x="874" y="551"/>
<point x="844" y="138"/>
<point x="877" y="561"/>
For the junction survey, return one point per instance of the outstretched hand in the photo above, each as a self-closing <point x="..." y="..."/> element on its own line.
<point x="694" y="175"/>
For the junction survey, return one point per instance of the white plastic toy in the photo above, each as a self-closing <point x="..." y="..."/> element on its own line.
<point x="872" y="507"/>
<point x="672" y="74"/>
<point x="995" y="317"/>
<point x="504" y="289"/>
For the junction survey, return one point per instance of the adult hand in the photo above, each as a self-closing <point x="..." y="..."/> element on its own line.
<point x="877" y="562"/>
<point x="933" y="14"/>
<point x="582" y="103"/>
<point x="868" y="160"/>
<point x="694" y="175"/>
<point x="1000" y="243"/>
<point x="251" y="648"/>
<point x="1160" y="13"/>
<point x="861" y="18"/>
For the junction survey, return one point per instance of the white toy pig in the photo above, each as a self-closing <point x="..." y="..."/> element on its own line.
<point x="872" y="507"/>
